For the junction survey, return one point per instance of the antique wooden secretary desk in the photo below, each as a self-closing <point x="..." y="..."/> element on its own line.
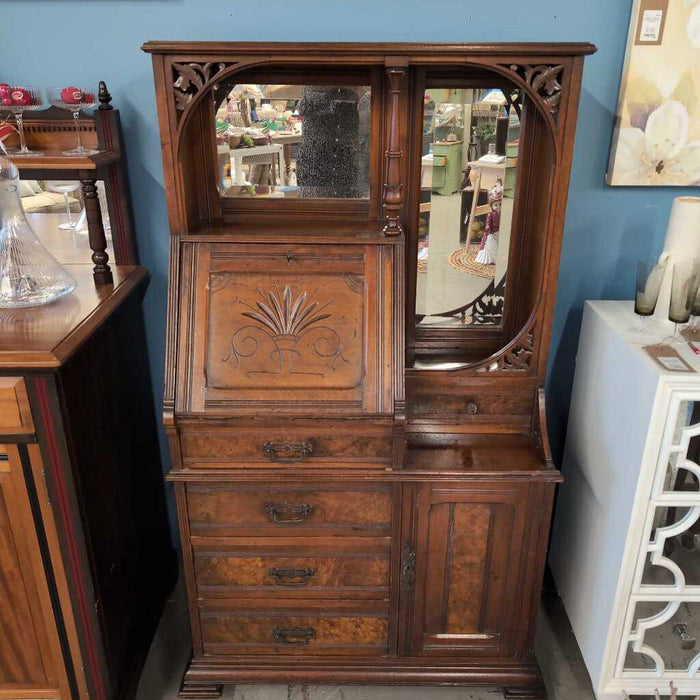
<point x="354" y="390"/>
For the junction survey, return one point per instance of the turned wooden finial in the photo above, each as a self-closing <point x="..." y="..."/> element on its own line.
<point x="104" y="97"/>
<point x="393" y="187"/>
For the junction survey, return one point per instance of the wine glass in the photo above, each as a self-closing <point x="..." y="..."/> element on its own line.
<point x="65" y="186"/>
<point x="650" y="275"/>
<point x="74" y="99"/>
<point x="684" y="289"/>
<point x="695" y="312"/>
<point x="19" y="99"/>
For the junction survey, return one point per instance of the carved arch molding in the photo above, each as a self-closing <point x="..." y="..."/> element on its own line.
<point x="543" y="81"/>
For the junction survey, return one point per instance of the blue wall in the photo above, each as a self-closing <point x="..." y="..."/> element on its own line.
<point x="50" y="42"/>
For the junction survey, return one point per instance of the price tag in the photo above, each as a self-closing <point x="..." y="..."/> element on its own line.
<point x="675" y="364"/>
<point x="651" y="25"/>
<point x="651" y="18"/>
<point x="668" y="358"/>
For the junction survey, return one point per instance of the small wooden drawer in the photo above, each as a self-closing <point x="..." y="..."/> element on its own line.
<point x="338" y="567"/>
<point x="276" y="627"/>
<point x="15" y="413"/>
<point x="254" y="509"/>
<point x="511" y="409"/>
<point x="303" y="443"/>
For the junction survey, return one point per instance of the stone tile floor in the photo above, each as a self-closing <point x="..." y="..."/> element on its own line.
<point x="559" y="657"/>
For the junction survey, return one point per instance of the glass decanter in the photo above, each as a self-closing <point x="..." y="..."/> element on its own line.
<point x="29" y="274"/>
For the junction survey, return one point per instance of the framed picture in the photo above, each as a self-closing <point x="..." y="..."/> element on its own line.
<point x="656" y="140"/>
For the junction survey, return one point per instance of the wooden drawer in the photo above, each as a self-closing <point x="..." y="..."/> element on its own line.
<point x="352" y="444"/>
<point x="276" y="627"/>
<point x="298" y="509"/>
<point x="15" y="413"/>
<point x="337" y="567"/>
<point x="510" y="410"/>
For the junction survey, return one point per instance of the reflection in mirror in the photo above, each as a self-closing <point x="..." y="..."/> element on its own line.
<point x="469" y="162"/>
<point x="293" y="141"/>
<point x="56" y="212"/>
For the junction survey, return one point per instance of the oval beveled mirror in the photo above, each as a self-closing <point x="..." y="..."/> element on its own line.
<point x="468" y="172"/>
<point x="467" y="235"/>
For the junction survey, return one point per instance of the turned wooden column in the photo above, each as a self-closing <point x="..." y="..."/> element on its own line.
<point x="96" y="233"/>
<point x="115" y="180"/>
<point x="393" y="187"/>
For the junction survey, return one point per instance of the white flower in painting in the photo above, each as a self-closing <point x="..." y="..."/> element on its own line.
<point x="659" y="155"/>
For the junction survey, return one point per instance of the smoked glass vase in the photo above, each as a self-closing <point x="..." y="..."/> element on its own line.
<point x="29" y="274"/>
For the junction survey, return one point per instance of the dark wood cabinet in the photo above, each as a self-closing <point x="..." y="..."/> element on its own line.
<point x="86" y="559"/>
<point x="354" y="374"/>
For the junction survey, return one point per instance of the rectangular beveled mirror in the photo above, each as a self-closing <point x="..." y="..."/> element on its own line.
<point x="293" y="141"/>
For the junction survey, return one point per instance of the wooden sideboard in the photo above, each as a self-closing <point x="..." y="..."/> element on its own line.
<point x="364" y="488"/>
<point x="85" y="554"/>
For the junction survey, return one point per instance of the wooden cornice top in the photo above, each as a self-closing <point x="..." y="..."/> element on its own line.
<point x="183" y="48"/>
<point x="45" y="337"/>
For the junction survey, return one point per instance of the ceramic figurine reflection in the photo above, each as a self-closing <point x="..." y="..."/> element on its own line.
<point x="488" y="249"/>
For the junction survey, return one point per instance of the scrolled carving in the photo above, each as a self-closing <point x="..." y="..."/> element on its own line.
<point x="486" y="308"/>
<point x="355" y="282"/>
<point x="190" y="78"/>
<point x="545" y="80"/>
<point x="219" y="281"/>
<point x="517" y="358"/>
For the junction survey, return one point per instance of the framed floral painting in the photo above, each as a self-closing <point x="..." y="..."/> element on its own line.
<point x="656" y="140"/>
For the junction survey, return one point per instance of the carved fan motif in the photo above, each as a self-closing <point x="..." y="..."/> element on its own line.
<point x="190" y="78"/>
<point x="545" y="80"/>
<point x="284" y="320"/>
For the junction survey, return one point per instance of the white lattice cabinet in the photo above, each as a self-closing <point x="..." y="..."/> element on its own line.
<point x="625" y="551"/>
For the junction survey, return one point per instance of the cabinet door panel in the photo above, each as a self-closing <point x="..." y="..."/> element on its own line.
<point x="468" y="547"/>
<point x="288" y="326"/>
<point x="25" y="663"/>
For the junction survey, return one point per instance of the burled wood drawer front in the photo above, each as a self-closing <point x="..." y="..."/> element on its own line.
<point x="15" y="413"/>
<point x="359" y="445"/>
<point x="297" y="509"/>
<point x="509" y="410"/>
<point x="291" y="327"/>
<point x="340" y="628"/>
<point x="339" y="567"/>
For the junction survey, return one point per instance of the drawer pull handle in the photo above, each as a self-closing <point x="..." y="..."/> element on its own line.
<point x="288" y="512"/>
<point x="296" y="636"/>
<point x="291" y="577"/>
<point x="472" y="408"/>
<point x="687" y="639"/>
<point x="287" y="452"/>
